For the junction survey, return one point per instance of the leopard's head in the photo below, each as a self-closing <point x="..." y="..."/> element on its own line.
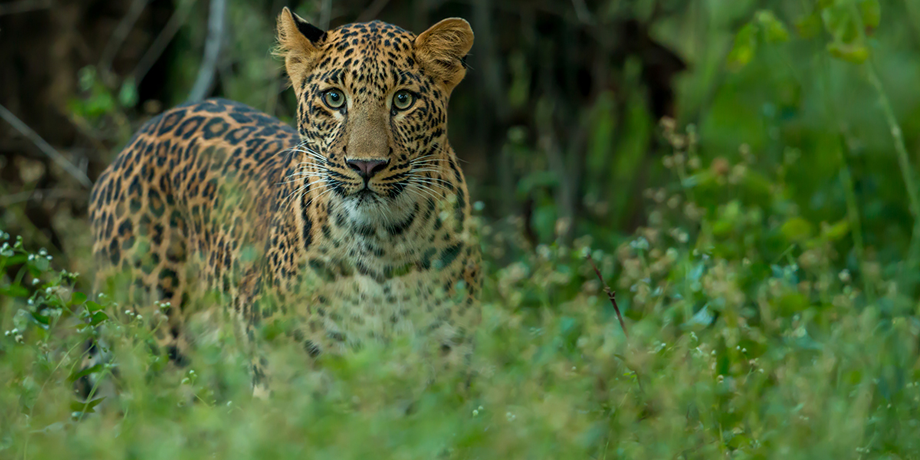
<point x="372" y="109"/>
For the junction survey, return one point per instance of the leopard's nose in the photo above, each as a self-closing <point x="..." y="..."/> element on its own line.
<point x="367" y="168"/>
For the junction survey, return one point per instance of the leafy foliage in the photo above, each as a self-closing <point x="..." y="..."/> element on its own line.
<point x="770" y="295"/>
<point x="737" y="346"/>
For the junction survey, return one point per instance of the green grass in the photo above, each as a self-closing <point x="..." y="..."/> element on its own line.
<point x="746" y="338"/>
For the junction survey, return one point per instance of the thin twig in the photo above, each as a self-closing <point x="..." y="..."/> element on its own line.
<point x="582" y="12"/>
<point x="24" y="6"/>
<point x="162" y="41"/>
<point x="40" y="194"/>
<point x="120" y="34"/>
<point x="898" y="138"/>
<point x="45" y="147"/>
<point x="907" y="175"/>
<point x="853" y="216"/>
<point x="913" y="251"/>
<point x="610" y="294"/>
<point x="206" y="73"/>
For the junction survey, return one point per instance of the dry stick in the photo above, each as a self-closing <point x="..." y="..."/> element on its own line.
<point x="159" y="44"/>
<point x="913" y="250"/>
<point x="120" y="34"/>
<point x="582" y="12"/>
<point x="24" y="6"/>
<point x="611" y="295"/>
<point x="211" y="51"/>
<point x="40" y="194"/>
<point x="45" y="147"/>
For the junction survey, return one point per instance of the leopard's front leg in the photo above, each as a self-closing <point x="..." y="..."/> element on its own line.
<point x="246" y="309"/>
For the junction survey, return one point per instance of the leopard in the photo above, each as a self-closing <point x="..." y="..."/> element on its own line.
<point x="352" y="227"/>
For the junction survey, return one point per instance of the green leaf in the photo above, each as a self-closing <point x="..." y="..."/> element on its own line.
<point x="87" y="77"/>
<point x="100" y="103"/>
<point x="744" y="48"/>
<point x="41" y="264"/>
<point x="840" y="23"/>
<point x="871" y="12"/>
<point x="127" y="96"/>
<point x="14" y="290"/>
<point x="17" y="259"/>
<point x="855" y="53"/>
<point x="85" y="407"/>
<point x="836" y="232"/>
<point x="89" y="370"/>
<point x="774" y="30"/>
<point x="93" y="306"/>
<point x="537" y="180"/>
<point x="42" y="320"/>
<point x="792" y="303"/>
<point x="702" y="319"/>
<point x="77" y="298"/>
<point x="796" y="229"/>
<point x="97" y="318"/>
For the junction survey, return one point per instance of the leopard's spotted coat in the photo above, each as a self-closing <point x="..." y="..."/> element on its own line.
<point x="216" y="196"/>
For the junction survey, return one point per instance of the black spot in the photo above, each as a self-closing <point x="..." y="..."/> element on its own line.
<point x="335" y="335"/>
<point x="450" y="254"/>
<point x="173" y="352"/>
<point x="114" y="252"/>
<point x="189" y="126"/>
<point x="312" y="348"/>
<point x="214" y="128"/>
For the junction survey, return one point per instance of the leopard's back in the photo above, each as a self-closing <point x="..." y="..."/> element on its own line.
<point x="181" y="210"/>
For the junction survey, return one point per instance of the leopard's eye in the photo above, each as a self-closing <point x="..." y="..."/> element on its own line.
<point x="334" y="98"/>
<point x="403" y="99"/>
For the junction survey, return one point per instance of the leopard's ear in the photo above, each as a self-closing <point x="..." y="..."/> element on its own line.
<point x="298" y="44"/>
<point x="442" y="49"/>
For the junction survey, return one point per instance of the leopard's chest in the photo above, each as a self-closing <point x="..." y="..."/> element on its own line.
<point x="352" y="309"/>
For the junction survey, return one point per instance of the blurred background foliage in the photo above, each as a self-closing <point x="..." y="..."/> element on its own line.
<point x="744" y="173"/>
<point x="558" y="121"/>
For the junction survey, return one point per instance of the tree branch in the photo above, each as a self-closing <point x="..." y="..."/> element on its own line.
<point x="24" y="6"/>
<point x="120" y="34"/>
<point x="45" y="147"/>
<point x="610" y="294"/>
<point x="159" y="44"/>
<point x="205" y="79"/>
